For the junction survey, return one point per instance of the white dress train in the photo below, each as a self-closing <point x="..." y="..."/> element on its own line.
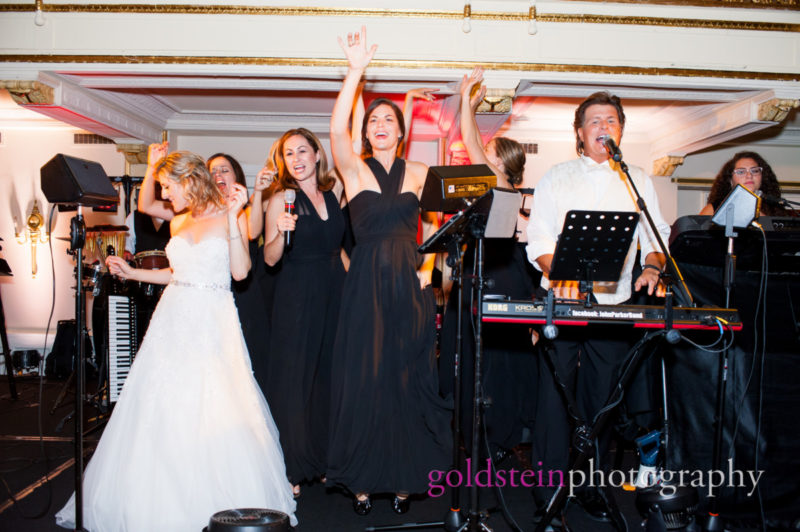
<point x="191" y="434"/>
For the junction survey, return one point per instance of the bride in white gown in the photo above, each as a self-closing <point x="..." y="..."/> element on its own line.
<point x="191" y="434"/>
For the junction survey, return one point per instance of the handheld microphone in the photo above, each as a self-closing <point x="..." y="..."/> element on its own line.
<point x="289" y="195"/>
<point x="612" y="148"/>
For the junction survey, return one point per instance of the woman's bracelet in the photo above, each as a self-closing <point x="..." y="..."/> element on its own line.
<point x="234" y="237"/>
<point x="653" y="266"/>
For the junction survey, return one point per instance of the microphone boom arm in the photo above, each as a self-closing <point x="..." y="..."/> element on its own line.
<point x="682" y="293"/>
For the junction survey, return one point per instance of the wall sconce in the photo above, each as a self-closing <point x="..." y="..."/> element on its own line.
<point x="466" y="27"/>
<point x="532" y="29"/>
<point x="38" y="14"/>
<point x="33" y="233"/>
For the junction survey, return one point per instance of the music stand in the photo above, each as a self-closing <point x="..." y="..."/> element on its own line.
<point x="77" y="182"/>
<point x="492" y="215"/>
<point x="737" y="210"/>
<point x="592" y="247"/>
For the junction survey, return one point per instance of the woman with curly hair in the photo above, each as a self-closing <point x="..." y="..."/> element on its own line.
<point x="191" y="434"/>
<point x="749" y="169"/>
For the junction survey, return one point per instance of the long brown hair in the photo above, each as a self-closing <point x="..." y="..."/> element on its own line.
<point x="189" y="170"/>
<point x="325" y="181"/>
<point x="401" y="122"/>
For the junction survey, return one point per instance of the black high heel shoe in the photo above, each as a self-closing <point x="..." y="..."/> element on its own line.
<point x="400" y="506"/>
<point x="362" y="507"/>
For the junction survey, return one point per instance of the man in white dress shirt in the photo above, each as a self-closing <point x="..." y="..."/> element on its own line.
<point x="592" y="182"/>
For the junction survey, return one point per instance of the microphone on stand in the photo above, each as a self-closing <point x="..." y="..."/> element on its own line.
<point x="289" y="196"/>
<point x="612" y="148"/>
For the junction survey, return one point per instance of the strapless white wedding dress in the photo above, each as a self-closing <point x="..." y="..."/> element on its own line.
<point x="191" y="434"/>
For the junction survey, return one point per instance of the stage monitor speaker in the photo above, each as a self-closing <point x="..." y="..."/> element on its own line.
<point x="450" y="188"/>
<point x="72" y="181"/>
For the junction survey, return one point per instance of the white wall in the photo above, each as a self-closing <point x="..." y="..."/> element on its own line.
<point x="27" y="300"/>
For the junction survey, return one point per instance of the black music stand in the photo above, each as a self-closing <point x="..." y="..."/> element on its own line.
<point x="592" y="247"/>
<point x="492" y="215"/>
<point x="72" y="181"/>
<point x="737" y="210"/>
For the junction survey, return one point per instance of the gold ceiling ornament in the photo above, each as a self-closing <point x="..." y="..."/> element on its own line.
<point x="466" y="14"/>
<point x="496" y="101"/>
<point x="666" y="165"/>
<point x="33" y="233"/>
<point x="134" y="153"/>
<point x="406" y="64"/>
<point x="28" y="92"/>
<point x="776" y="110"/>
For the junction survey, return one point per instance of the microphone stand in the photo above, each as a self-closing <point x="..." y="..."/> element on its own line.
<point x="77" y="241"/>
<point x="714" y="522"/>
<point x="682" y="293"/>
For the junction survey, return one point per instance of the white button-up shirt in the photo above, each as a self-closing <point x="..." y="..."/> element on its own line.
<point x="583" y="184"/>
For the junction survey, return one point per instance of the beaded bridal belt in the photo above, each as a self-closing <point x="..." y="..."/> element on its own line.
<point x="202" y="286"/>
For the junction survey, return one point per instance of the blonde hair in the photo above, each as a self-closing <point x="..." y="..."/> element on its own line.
<point x="189" y="170"/>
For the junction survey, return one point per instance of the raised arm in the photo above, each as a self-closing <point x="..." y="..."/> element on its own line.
<point x="470" y="134"/>
<point x="346" y="160"/>
<point x="148" y="203"/>
<point x="255" y="213"/>
<point x="237" y="233"/>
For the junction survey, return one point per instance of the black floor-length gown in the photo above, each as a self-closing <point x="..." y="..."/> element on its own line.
<point x="389" y="427"/>
<point x="305" y="310"/>
<point x="253" y="298"/>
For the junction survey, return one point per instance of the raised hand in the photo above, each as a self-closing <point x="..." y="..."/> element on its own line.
<point x="423" y="93"/>
<point x="155" y="152"/>
<point x="264" y="179"/>
<point x="466" y="88"/>
<point x="355" y="50"/>
<point x="236" y="199"/>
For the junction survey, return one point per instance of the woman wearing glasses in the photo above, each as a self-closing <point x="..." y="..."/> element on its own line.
<point x="749" y="169"/>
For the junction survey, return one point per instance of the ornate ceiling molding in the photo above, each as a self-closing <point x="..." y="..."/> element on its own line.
<point x="666" y="165"/>
<point x="755" y="4"/>
<point x="776" y="110"/>
<point x="28" y="92"/>
<point x="557" y="18"/>
<point x="403" y="64"/>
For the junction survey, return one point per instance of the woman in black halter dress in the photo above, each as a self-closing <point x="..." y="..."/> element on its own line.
<point x="306" y="302"/>
<point x="389" y="427"/>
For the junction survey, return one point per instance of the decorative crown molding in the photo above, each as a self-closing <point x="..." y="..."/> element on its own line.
<point x="776" y="110"/>
<point x="28" y="92"/>
<point x="522" y="16"/>
<point x="401" y="63"/>
<point x="666" y="165"/>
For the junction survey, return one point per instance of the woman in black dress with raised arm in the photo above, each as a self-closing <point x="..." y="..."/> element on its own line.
<point x="306" y="301"/>
<point x="389" y="427"/>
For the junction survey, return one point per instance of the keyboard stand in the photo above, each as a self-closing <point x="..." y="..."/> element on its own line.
<point x="584" y="434"/>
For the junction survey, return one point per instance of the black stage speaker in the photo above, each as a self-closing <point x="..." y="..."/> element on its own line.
<point x="450" y="189"/>
<point x="72" y="181"/>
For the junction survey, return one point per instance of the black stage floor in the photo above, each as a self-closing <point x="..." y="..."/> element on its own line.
<point x="24" y="462"/>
